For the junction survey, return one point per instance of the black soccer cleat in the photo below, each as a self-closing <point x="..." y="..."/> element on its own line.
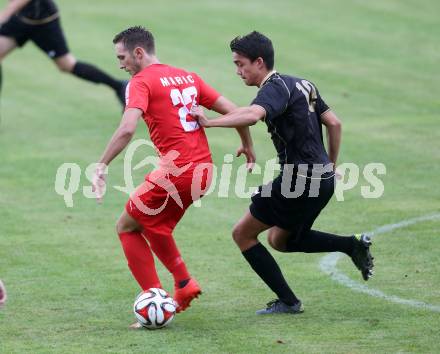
<point x="277" y="306"/>
<point x="361" y="256"/>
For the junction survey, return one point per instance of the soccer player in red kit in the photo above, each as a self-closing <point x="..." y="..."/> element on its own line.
<point x="163" y="96"/>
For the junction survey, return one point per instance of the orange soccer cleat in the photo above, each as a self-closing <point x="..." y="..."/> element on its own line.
<point x="184" y="296"/>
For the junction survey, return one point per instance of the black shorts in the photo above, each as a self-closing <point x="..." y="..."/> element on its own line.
<point x="298" y="211"/>
<point x="49" y="37"/>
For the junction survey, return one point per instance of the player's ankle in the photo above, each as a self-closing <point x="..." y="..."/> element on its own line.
<point x="182" y="283"/>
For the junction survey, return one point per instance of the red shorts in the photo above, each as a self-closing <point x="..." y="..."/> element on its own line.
<point x="160" y="202"/>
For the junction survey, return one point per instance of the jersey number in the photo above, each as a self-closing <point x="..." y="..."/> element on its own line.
<point x="184" y="98"/>
<point x="309" y="92"/>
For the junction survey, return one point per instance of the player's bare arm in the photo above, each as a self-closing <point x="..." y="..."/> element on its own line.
<point x="117" y="143"/>
<point x="334" y="129"/>
<point x="122" y="135"/>
<point x="240" y="117"/>
<point x="224" y="106"/>
<point x="11" y="8"/>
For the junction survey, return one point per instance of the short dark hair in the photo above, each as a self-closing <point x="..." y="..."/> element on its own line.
<point x="254" y="45"/>
<point x="136" y="36"/>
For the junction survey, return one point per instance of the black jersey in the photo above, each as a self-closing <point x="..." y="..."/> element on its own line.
<point x="293" y="109"/>
<point x="38" y="10"/>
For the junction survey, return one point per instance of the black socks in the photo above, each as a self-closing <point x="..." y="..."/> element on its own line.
<point x="268" y="270"/>
<point x="317" y="241"/>
<point x="92" y="73"/>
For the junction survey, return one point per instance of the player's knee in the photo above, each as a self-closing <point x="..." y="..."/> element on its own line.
<point x="65" y="63"/>
<point x="121" y="227"/>
<point x="237" y="234"/>
<point x="272" y="242"/>
<point x="242" y="237"/>
<point x="276" y="243"/>
<point x="65" y="68"/>
<point x="127" y="225"/>
<point x="118" y="228"/>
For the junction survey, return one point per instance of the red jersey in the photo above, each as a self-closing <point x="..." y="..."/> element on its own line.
<point x="165" y="95"/>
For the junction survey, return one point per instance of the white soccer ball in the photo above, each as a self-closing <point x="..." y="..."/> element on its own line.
<point x="154" y="308"/>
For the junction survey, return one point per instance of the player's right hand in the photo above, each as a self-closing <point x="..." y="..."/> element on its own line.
<point x="98" y="182"/>
<point x="198" y="114"/>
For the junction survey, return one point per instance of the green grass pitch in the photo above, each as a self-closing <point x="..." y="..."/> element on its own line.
<point x="70" y="291"/>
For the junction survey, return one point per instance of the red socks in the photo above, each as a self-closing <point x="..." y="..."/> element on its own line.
<point x="166" y="250"/>
<point x="141" y="262"/>
<point x="140" y="259"/>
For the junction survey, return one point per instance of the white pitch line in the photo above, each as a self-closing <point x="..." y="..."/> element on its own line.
<point x="328" y="266"/>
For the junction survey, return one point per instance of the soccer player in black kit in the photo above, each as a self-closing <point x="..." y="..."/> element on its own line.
<point x="294" y="113"/>
<point x="38" y="21"/>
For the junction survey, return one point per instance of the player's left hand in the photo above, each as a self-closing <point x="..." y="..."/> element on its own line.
<point x="3" y="295"/>
<point x="199" y="115"/>
<point x="249" y="152"/>
<point x="98" y="182"/>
